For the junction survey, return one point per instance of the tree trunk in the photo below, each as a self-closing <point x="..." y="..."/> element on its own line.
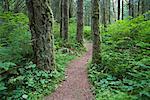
<point x="96" y="56"/>
<point x="107" y="11"/>
<point x="114" y="9"/>
<point x="130" y="8"/>
<point x="104" y="12"/>
<point x="139" y="2"/>
<point x="61" y="19"/>
<point x="109" y="8"/>
<point x="71" y="7"/>
<point x="6" y="5"/>
<point x="55" y="5"/>
<point x="145" y="6"/>
<point x="122" y="9"/>
<point x="65" y="20"/>
<point x="79" y="36"/>
<point x="87" y="13"/>
<point x="118" y="9"/>
<point x="41" y="21"/>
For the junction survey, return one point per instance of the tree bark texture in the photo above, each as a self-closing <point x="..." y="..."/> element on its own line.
<point x="65" y="19"/>
<point x="104" y="13"/>
<point x="41" y="21"/>
<point x="96" y="56"/>
<point x="61" y="19"/>
<point x="80" y="24"/>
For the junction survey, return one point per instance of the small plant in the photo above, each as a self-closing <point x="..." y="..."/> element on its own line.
<point x="19" y="77"/>
<point x="125" y="71"/>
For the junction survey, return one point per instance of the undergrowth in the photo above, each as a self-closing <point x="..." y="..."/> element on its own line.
<point x="125" y="70"/>
<point x="19" y="77"/>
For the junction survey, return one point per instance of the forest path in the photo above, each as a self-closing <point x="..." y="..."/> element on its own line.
<point x="76" y="86"/>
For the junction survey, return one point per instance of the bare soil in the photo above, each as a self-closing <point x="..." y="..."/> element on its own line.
<point x="76" y="85"/>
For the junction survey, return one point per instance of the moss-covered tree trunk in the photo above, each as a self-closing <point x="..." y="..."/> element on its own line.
<point x="96" y="57"/>
<point x="80" y="24"/>
<point x="65" y="19"/>
<point x="41" y="21"/>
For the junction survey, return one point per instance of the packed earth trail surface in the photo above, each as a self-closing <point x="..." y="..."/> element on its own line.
<point x="76" y="86"/>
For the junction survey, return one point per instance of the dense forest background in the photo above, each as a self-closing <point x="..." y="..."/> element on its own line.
<point x="39" y="37"/>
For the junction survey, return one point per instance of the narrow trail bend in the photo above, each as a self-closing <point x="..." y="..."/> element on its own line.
<point x="76" y="86"/>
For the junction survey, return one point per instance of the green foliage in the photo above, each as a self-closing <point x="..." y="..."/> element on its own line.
<point x="109" y="95"/>
<point x="19" y="78"/>
<point x="125" y="70"/>
<point x="15" y="41"/>
<point x="33" y="83"/>
<point x="87" y="32"/>
<point x="71" y="46"/>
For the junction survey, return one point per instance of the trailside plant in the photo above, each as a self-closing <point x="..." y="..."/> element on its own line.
<point x="125" y="71"/>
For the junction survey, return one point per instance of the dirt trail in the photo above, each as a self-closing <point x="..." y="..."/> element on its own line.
<point x="76" y="85"/>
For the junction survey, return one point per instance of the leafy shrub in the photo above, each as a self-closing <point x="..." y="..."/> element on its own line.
<point x="15" y="40"/>
<point x="30" y="82"/>
<point x="87" y="33"/>
<point x="71" y="46"/>
<point x="19" y="77"/>
<point x="125" y="64"/>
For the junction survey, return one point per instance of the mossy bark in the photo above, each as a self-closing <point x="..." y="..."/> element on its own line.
<point x="41" y="21"/>
<point x="96" y="56"/>
<point x="80" y="24"/>
<point x="65" y="19"/>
